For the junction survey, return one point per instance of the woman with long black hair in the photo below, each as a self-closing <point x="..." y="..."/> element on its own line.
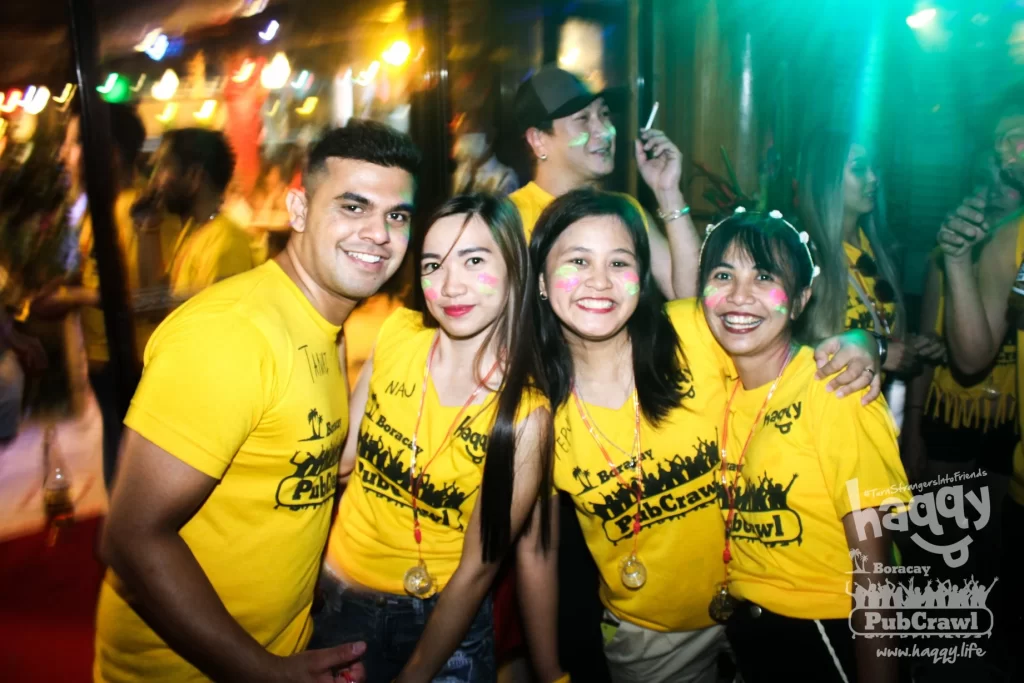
<point x="452" y="448"/>
<point x="638" y="387"/>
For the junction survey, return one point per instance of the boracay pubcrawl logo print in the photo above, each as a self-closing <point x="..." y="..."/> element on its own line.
<point x="917" y="607"/>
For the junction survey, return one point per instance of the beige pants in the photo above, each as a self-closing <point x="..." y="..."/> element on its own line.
<point x="639" y="655"/>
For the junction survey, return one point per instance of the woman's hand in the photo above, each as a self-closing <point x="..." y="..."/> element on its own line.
<point x="855" y="352"/>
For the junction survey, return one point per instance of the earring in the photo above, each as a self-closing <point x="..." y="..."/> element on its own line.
<point x="543" y="296"/>
<point x="543" y="157"/>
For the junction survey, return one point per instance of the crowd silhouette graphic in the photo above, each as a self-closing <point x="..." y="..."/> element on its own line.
<point x="669" y="474"/>
<point x="934" y="595"/>
<point x="393" y="467"/>
<point x="766" y="495"/>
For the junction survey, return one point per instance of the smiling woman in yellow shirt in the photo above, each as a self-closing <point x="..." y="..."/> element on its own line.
<point x="802" y="472"/>
<point x="639" y="389"/>
<point x="452" y="446"/>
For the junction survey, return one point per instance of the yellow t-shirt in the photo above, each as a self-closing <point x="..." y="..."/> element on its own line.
<point x="682" y="534"/>
<point x="531" y="201"/>
<point x="93" y="328"/>
<point x="988" y="403"/>
<point x="208" y="254"/>
<point x="858" y="315"/>
<point x="1017" y="479"/>
<point x="789" y="550"/>
<point x="372" y="542"/>
<point x="243" y="384"/>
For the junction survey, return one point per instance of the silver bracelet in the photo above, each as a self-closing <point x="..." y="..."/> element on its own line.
<point x="678" y="213"/>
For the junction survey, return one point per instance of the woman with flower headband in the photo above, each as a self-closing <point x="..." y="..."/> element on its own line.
<point x="638" y="390"/>
<point x="840" y="206"/>
<point x="804" y="478"/>
<point x="452" y="447"/>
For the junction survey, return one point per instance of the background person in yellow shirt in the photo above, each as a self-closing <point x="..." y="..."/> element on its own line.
<point x="192" y="169"/>
<point x="571" y="136"/>
<point x="789" y="453"/>
<point x="419" y="538"/>
<point x="223" y="500"/>
<point x="638" y="389"/>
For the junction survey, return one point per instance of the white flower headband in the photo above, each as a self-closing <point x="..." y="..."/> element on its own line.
<point x="804" y="237"/>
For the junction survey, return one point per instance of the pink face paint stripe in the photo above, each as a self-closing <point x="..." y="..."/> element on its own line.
<point x="779" y="300"/>
<point x="429" y="292"/>
<point x="713" y="297"/>
<point x="486" y="279"/>
<point x="568" y="278"/>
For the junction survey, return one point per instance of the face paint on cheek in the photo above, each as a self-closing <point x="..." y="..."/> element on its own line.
<point x="580" y="140"/>
<point x="429" y="292"/>
<point x="568" y="278"/>
<point x="487" y="282"/>
<point x="712" y="296"/>
<point x="632" y="281"/>
<point x="609" y="132"/>
<point x="779" y="301"/>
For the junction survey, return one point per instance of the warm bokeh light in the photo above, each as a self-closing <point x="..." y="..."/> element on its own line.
<point x="275" y="75"/>
<point x="11" y="102"/>
<point x="169" y="113"/>
<point x="244" y="72"/>
<point x="397" y="54"/>
<point x="165" y="88"/>
<point x="69" y="89"/>
<point x="308" y="106"/>
<point x="206" y="111"/>
<point x="366" y="77"/>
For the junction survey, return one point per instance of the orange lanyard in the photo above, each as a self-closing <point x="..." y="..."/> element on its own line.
<point x="730" y="491"/>
<point x="638" y="482"/>
<point x="415" y="480"/>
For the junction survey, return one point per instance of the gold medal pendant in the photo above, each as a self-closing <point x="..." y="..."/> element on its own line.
<point x="722" y="605"/>
<point x="633" y="573"/>
<point x="418" y="582"/>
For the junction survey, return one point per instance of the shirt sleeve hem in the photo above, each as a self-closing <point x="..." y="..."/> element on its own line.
<point x="178" y="444"/>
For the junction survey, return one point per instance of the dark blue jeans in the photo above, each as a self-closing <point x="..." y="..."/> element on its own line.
<point x="391" y="625"/>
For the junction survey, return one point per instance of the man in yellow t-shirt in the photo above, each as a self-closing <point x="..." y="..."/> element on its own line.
<point x="223" y="500"/>
<point x="192" y="169"/>
<point x="570" y="134"/>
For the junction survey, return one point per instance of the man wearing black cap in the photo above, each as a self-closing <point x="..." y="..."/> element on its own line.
<point x="570" y="133"/>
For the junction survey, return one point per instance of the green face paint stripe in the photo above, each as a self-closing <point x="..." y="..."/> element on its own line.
<point x="567" y="269"/>
<point x="580" y="140"/>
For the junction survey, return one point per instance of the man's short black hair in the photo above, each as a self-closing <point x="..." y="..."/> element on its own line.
<point x="367" y="141"/>
<point x="128" y="133"/>
<point x="207" y="149"/>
